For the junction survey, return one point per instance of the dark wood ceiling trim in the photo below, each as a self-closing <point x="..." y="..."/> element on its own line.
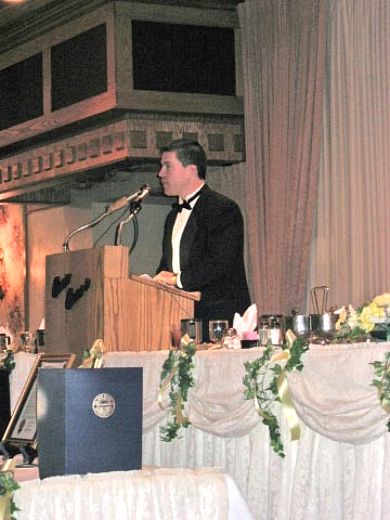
<point x="133" y="139"/>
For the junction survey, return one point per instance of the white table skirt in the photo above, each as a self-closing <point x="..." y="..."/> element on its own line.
<point x="336" y="471"/>
<point x="149" y="494"/>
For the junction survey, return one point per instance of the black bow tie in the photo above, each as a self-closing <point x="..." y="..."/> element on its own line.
<point x="186" y="203"/>
<point x="178" y="207"/>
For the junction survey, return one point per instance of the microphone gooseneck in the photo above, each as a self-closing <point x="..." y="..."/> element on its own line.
<point x="135" y="208"/>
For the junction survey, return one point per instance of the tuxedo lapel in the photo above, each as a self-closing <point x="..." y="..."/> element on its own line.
<point x="191" y="228"/>
<point x="187" y="239"/>
<point x="168" y="238"/>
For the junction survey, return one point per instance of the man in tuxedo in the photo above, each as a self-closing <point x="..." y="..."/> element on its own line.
<point x="203" y="236"/>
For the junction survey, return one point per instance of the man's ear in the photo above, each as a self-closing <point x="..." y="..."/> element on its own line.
<point x="194" y="171"/>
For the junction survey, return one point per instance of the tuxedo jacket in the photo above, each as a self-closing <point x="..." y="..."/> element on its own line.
<point x="211" y="256"/>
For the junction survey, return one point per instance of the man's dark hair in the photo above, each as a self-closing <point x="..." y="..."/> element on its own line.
<point x="188" y="152"/>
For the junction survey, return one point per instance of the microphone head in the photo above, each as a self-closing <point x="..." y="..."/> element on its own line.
<point x="144" y="191"/>
<point x="138" y="196"/>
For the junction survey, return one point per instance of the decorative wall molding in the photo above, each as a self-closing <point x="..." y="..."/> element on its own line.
<point x="132" y="139"/>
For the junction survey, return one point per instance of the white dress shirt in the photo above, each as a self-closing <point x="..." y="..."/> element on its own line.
<point x="177" y="232"/>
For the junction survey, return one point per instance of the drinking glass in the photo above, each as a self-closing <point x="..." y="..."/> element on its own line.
<point x="5" y="342"/>
<point x="27" y="341"/>
<point x="216" y="330"/>
<point x="193" y="328"/>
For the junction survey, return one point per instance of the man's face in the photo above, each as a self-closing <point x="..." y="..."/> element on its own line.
<point x="174" y="177"/>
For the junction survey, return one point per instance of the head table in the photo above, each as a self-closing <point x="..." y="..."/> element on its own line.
<point x="337" y="470"/>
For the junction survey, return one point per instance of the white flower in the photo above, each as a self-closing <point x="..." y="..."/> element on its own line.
<point x="347" y="317"/>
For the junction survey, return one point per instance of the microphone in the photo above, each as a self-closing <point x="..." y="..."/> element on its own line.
<point x="137" y="197"/>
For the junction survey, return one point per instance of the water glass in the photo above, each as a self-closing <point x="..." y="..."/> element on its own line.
<point x="5" y="342"/>
<point x="27" y="341"/>
<point x="193" y="328"/>
<point x="216" y="330"/>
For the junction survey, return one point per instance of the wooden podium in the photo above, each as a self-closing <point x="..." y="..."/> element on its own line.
<point x="90" y="295"/>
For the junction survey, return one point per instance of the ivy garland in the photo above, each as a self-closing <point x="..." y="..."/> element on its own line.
<point x="176" y="374"/>
<point x="261" y="382"/>
<point x="7" y="487"/>
<point x="382" y="371"/>
<point x="8" y="362"/>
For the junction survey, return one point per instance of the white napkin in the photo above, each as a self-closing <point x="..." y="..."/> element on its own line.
<point x="246" y="325"/>
<point x="42" y="324"/>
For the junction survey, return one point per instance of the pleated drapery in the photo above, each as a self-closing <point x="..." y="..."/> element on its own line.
<point x="317" y="116"/>
<point x="284" y="64"/>
<point x="351" y="242"/>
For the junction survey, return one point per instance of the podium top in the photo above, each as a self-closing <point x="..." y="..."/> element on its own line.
<point x="195" y="295"/>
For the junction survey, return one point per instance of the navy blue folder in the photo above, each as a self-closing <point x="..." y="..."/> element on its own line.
<point x="89" y="420"/>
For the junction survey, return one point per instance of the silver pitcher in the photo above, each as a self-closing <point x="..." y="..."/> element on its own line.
<point x="323" y="324"/>
<point x="300" y="324"/>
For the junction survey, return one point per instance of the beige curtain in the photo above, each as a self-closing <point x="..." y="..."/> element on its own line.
<point x="283" y="58"/>
<point x="351" y="243"/>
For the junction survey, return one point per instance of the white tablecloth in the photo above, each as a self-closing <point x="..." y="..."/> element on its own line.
<point x="150" y="494"/>
<point x="336" y="471"/>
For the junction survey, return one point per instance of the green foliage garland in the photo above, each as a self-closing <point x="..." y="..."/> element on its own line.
<point x="176" y="374"/>
<point x="261" y="382"/>
<point x="7" y="487"/>
<point x="382" y="371"/>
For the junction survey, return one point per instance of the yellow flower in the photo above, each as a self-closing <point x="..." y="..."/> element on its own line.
<point x="382" y="300"/>
<point x="368" y="314"/>
<point x="365" y="321"/>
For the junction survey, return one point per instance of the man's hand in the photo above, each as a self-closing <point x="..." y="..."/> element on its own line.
<point x="166" y="277"/>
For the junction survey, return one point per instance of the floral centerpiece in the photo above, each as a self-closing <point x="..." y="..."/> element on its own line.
<point x="372" y="318"/>
<point x="354" y="324"/>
